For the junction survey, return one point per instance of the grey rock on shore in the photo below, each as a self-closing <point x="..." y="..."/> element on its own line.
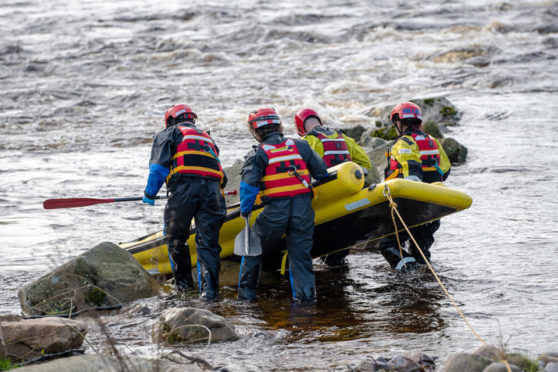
<point x="104" y="276"/>
<point x="106" y="363"/>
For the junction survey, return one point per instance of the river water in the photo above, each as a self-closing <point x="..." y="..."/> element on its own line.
<point x="85" y="83"/>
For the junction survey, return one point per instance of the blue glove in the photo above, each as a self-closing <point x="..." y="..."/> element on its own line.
<point x="148" y="200"/>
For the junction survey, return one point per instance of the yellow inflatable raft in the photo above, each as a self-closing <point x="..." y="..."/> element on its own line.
<point x="346" y="213"/>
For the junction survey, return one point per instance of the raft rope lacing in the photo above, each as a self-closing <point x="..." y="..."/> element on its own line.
<point x="393" y="207"/>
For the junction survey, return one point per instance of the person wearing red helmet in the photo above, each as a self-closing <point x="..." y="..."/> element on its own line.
<point x="187" y="160"/>
<point x="279" y="169"/>
<point x="417" y="156"/>
<point x="335" y="148"/>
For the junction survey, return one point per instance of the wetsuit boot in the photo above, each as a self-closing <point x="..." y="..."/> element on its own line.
<point x="404" y="264"/>
<point x="181" y="264"/>
<point x="250" y="269"/>
<point x="336" y="260"/>
<point x="208" y="281"/>
<point x="305" y="295"/>
<point x="424" y="235"/>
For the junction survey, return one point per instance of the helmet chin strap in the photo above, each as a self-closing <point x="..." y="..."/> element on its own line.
<point x="398" y="128"/>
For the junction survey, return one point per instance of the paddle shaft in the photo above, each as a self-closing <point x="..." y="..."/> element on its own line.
<point x="84" y="202"/>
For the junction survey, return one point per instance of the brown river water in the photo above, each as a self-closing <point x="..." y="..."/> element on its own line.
<point x="84" y="85"/>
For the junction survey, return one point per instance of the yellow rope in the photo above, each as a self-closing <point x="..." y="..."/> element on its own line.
<point x="393" y="207"/>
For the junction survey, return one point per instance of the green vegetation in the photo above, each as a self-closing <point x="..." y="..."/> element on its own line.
<point x="429" y="101"/>
<point x="6" y="364"/>
<point x="96" y="296"/>
<point x="385" y="133"/>
<point x="378" y="123"/>
<point x="524" y="363"/>
<point x="447" y="111"/>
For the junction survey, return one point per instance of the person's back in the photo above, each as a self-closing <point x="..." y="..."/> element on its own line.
<point x="335" y="148"/>
<point x="281" y="168"/>
<point x="186" y="159"/>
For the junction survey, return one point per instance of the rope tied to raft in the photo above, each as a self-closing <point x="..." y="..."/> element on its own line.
<point x="393" y="207"/>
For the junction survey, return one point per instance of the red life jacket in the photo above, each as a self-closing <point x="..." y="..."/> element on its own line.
<point x="429" y="154"/>
<point x="196" y="155"/>
<point x="278" y="182"/>
<point x="335" y="149"/>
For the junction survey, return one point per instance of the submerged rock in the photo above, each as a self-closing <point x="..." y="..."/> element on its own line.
<point x="191" y="325"/>
<point x="106" y="363"/>
<point x="414" y="362"/>
<point x="402" y="363"/>
<point x="104" y="276"/>
<point x="462" y="54"/>
<point x="27" y="339"/>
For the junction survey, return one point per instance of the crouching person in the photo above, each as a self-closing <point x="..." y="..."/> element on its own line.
<point x="281" y="168"/>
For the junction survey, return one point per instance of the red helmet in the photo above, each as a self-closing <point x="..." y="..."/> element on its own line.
<point x="261" y="118"/>
<point x="301" y="116"/>
<point x="180" y="110"/>
<point x="406" y="110"/>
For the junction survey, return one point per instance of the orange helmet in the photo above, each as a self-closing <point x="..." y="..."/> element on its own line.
<point x="301" y="116"/>
<point x="406" y="110"/>
<point x="178" y="114"/>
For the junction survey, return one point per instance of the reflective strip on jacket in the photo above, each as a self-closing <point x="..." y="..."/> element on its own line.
<point x="196" y="155"/>
<point x="278" y="179"/>
<point x="356" y="153"/>
<point x="417" y="154"/>
<point x="335" y="149"/>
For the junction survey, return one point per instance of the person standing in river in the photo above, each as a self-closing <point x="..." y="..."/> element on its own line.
<point x="335" y="148"/>
<point x="418" y="157"/>
<point x="281" y="168"/>
<point x="187" y="159"/>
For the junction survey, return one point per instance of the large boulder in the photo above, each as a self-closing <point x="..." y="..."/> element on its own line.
<point x="27" y="339"/>
<point x="104" y="276"/>
<point x="377" y="156"/>
<point x="457" y="153"/>
<point x="430" y="127"/>
<point x="438" y="109"/>
<point x="188" y="324"/>
<point x="106" y="363"/>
